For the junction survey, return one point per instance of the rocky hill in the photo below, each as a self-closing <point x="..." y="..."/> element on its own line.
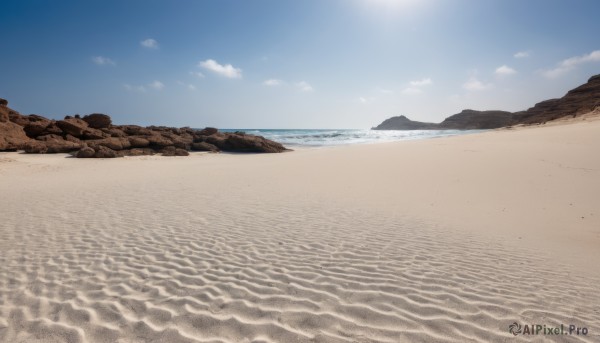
<point x="465" y="120"/>
<point x="94" y="135"/>
<point x="582" y="99"/>
<point x="403" y="123"/>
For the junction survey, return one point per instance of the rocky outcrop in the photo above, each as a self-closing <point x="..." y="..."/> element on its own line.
<point x="12" y="136"/>
<point x="403" y="123"/>
<point x="582" y="99"/>
<point x="477" y="120"/>
<point x="94" y="136"/>
<point x="465" y="120"/>
<point x="97" y="121"/>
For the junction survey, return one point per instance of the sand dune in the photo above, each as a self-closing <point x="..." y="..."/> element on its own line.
<point x="445" y="240"/>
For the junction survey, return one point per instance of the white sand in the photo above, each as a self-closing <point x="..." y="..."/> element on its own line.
<point x="448" y="239"/>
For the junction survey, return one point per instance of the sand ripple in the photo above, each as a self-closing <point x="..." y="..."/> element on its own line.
<point x="142" y="269"/>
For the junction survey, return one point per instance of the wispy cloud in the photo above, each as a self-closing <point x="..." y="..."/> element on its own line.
<point x="304" y="86"/>
<point x="505" y="70"/>
<point x="149" y="43"/>
<point x="421" y="83"/>
<point x="226" y="70"/>
<point x="187" y="85"/>
<point x="571" y="63"/>
<point x="522" y="54"/>
<point x="131" y="88"/>
<point x="156" y="85"/>
<point x="100" y="60"/>
<point x="412" y="90"/>
<point x="197" y="74"/>
<point x="474" y="84"/>
<point x="366" y="100"/>
<point x="416" y="86"/>
<point x="273" y="82"/>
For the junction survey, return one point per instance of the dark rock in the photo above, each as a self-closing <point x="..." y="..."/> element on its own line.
<point x="86" y="152"/>
<point x="582" y="99"/>
<point x="203" y="146"/>
<point x="134" y="130"/>
<point x="477" y="120"/>
<point x="3" y="102"/>
<point x="113" y="143"/>
<point x="158" y="141"/>
<point x="244" y="143"/>
<point x="98" y="120"/>
<point x="208" y="131"/>
<point x="137" y="152"/>
<point x="4" y="114"/>
<point x="172" y="151"/>
<point x="12" y="136"/>
<point x="114" y="132"/>
<point x="403" y="123"/>
<point x="138" y="142"/>
<point x="104" y="152"/>
<point x="72" y="126"/>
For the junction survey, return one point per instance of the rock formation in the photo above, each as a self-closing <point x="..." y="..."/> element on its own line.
<point x="465" y="120"/>
<point x="582" y="99"/>
<point x="94" y="136"/>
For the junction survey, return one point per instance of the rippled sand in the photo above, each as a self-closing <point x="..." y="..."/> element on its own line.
<point x="221" y="248"/>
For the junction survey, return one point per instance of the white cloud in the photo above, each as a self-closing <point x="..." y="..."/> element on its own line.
<point x="273" y="82"/>
<point x="100" y="60"/>
<point x="149" y="43"/>
<point x="131" y="88"/>
<point x="366" y="100"/>
<point x="522" y="54"/>
<point x="422" y="82"/>
<point x="571" y="63"/>
<point x="383" y="90"/>
<point x="156" y="85"/>
<point x="505" y="70"/>
<point x="227" y="70"/>
<point x="473" y="84"/>
<point x="197" y="73"/>
<point x="191" y="87"/>
<point x="304" y="86"/>
<point x="412" y="90"/>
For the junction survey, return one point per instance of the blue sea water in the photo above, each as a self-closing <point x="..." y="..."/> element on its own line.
<point x="331" y="137"/>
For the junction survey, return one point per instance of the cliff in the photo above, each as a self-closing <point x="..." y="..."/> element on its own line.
<point x="582" y="99"/>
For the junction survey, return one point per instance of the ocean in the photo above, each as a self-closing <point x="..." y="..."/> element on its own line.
<point x="331" y="137"/>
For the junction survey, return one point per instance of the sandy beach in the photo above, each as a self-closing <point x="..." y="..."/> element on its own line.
<point x="440" y="240"/>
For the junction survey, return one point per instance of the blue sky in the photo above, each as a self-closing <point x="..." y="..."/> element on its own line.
<point x="292" y="64"/>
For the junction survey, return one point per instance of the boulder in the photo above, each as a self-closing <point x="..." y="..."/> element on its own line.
<point x="12" y="136"/>
<point x="86" y="152"/>
<point x="113" y="143"/>
<point x="208" y="131"/>
<point x="3" y="102"/>
<point x="73" y="126"/>
<point x="138" y="152"/>
<point x="114" y="132"/>
<point x="172" y="151"/>
<point x="138" y="142"/>
<point x="203" y="146"/>
<point x="241" y="142"/>
<point x="97" y="120"/>
<point x="3" y="113"/>
<point x="104" y="152"/>
<point x="158" y="141"/>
